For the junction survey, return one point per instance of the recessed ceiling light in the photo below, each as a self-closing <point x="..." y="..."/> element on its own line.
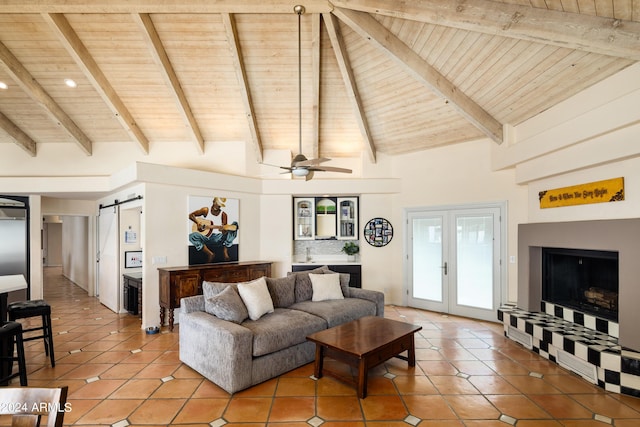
<point x="3" y="85"/>
<point x="70" y="83"/>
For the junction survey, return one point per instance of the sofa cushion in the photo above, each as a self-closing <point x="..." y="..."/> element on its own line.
<point x="344" y="283"/>
<point x="211" y="289"/>
<point x="281" y="329"/>
<point x="325" y="287"/>
<point x="282" y="290"/>
<point x="256" y="297"/>
<point x="339" y="311"/>
<point x="303" y="289"/>
<point x="227" y="305"/>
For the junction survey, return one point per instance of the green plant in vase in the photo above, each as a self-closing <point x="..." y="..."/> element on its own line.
<point x="351" y="249"/>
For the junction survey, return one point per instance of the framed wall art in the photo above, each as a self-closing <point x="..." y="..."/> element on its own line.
<point x="213" y="224"/>
<point x="378" y="232"/>
<point x="132" y="259"/>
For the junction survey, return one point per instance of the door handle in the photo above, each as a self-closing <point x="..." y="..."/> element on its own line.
<point x="444" y="267"/>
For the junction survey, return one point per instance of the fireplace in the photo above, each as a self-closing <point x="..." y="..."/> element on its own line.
<point x="616" y="235"/>
<point x="581" y="279"/>
<point x="595" y="347"/>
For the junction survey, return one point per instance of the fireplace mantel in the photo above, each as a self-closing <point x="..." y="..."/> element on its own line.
<point x="622" y="235"/>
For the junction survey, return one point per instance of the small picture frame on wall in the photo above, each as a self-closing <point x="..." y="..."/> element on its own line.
<point x="132" y="259"/>
<point x="378" y="232"/>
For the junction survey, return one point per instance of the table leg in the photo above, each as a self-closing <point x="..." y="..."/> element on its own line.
<point x="317" y="371"/>
<point x="362" y="378"/>
<point x="171" y="319"/>
<point x="162" y="316"/>
<point x="411" y="353"/>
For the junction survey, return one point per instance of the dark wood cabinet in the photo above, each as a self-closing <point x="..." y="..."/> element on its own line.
<point x="355" y="270"/>
<point x="133" y="292"/>
<point x="180" y="282"/>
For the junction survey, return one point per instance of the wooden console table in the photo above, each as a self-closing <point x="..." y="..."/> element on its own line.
<point x="181" y="282"/>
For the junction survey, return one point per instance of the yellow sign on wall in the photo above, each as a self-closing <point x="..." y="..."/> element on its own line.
<point x="610" y="190"/>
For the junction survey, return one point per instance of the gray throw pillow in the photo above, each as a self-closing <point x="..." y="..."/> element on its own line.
<point x="210" y="289"/>
<point x="227" y="305"/>
<point x="304" y="289"/>
<point x="344" y="283"/>
<point x="282" y="290"/>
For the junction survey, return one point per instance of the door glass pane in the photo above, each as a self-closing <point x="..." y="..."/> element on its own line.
<point x="427" y="258"/>
<point x="475" y="261"/>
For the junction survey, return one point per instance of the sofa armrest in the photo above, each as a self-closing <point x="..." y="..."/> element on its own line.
<point x="219" y="350"/>
<point x="373" y="296"/>
<point x="191" y="304"/>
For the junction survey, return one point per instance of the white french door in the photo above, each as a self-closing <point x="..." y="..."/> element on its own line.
<point x="454" y="260"/>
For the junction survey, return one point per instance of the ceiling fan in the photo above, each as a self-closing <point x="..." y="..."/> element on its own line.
<point x="300" y="165"/>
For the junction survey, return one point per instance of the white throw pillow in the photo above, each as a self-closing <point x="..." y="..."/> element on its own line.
<point x="325" y="287"/>
<point x="256" y="297"/>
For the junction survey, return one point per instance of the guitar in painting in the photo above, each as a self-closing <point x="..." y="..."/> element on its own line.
<point x="206" y="227"/>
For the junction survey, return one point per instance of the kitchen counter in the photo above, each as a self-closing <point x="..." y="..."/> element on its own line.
<point x="354" y="269"/>
<point x="324" y="260"/>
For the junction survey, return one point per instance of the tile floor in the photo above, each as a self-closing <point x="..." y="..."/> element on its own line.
<point x="467" y="374"/>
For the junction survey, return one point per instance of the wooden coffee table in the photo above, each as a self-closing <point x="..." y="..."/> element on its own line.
<point x="364" y="344"/>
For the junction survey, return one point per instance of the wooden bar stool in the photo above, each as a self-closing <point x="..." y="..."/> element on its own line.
<point x="10" y="334"/>
<point x="32" y="308"/>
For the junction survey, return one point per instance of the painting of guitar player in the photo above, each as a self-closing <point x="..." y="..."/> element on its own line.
<point x="213" y="230"/>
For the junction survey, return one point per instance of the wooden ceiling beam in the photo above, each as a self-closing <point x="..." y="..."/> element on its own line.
<point x="162" y="59"/>
<point x="89" y="67"/>
<point x="23" y="140"/>
<point x="333" y="28"/>
<point x="241" y="73"/>
<point x="162" y="6"/>
<point x="605" y="36"/>
<point x="29" y="84"/>
<point x="370" y="29"/>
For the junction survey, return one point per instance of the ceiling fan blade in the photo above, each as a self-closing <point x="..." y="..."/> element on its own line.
<point x="309" y="175"/>
<point x="312" y="162"/>
<point x="330" y="169"/>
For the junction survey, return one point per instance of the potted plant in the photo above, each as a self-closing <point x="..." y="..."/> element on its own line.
<point x="351" y="249"/>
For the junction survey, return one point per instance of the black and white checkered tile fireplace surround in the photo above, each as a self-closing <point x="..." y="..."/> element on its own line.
<point x="585" y="344"/>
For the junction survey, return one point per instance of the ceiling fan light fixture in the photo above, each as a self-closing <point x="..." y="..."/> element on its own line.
<point x="300" y="171"/>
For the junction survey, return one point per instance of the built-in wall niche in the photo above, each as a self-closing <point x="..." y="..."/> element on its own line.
<point x="325" y="218"/>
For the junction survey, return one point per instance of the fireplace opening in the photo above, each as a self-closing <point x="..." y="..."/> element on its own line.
<point x="581" y="279"/>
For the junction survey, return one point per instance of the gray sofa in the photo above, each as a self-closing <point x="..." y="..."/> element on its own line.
<point x="236" y="354"/>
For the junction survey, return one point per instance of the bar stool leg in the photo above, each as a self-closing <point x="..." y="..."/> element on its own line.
<point x="48" y="346"/>
<point x="22" y="364"/>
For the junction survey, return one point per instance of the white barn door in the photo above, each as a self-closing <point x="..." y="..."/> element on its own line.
<point x="108" y="286"/>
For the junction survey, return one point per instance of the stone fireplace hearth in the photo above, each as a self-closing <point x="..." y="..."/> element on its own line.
<point x="599" y="348"/>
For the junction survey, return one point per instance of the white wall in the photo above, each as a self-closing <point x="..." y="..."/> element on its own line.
<point x="590" y="137"/>
<point x="52" y="253"/>
<point x="629" y="208"/>
<point x="166" y="227"/>
<point x="456" y="175"/>
<point x="75" y="250"/>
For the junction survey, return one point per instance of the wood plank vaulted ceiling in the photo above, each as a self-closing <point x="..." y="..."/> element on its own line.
<point x="378" y="76"/>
